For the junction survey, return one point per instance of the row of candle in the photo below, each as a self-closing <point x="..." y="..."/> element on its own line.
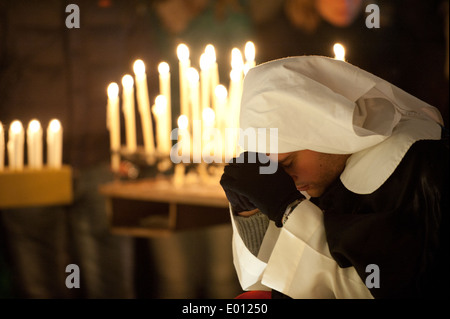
<point x="15" y="145"/>
<point x="202" y="100"/>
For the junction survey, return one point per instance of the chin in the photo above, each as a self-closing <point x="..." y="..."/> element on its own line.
<point x="315" y="192"/>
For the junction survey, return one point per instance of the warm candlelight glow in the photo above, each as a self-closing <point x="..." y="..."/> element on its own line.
<point x="237" y="61"/>
<point x="221" y="92"/>
<point x="139" y="67"/>
<point x="208" y="115"/>
<point x="113" y="90"/>
<point x="160" y="104"/>
<point x="249" y="51"/>
<point x="16" y="127"/>
<point x="192" y="75"/>
<point x="34" y="144"/>
<point x="128" y="112"/>
<point x="210" y="52"/>
<point x="54" y="144"/>
<point x="182" y="52"/>
<point x="235" y="75"/>
<point x="55" y="125"/>
<point x="339" y="52"/>
<point x="127" y="82"/>
<point x="183" y="122"/>
<point x="163" y="68"/>
<point x="34" y="126"/>
<point x="204" y="61"/>
<point x="15" y="145"/>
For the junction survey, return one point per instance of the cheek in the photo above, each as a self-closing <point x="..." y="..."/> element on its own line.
<point x="306" y="171"/>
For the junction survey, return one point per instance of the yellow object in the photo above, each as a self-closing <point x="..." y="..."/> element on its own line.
<point x="36" y="187"/>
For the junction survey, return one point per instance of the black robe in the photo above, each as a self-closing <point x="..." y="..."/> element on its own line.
<point x="402" y="227"/>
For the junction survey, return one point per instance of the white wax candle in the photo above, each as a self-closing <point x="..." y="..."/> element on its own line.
<point x="184" y="138"/>
<point x="221" y="98"/>
<point x="214" y="69"/>
<point x="205" y="81"/>
<point x="54" y="144"/>
<point x="162" y="131"/>
<point x="184" y="65"/>
<point x="194" y="93"/>
<point x="113" y="124"/>
<point x="196" y="124"/>
<point x="208" y="118"/>
<point x="2" y="147"/>
<point x="144" y="106"/>
<point x="165" y="90"/>
<point x="34" y="144"/>
<point x="15" y="145"/>
<point x="339" y="51"/>
<point x="249" y="52"/>
<point x="128" y="112"/>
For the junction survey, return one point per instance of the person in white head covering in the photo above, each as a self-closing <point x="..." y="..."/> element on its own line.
<point x="357" y="207"/>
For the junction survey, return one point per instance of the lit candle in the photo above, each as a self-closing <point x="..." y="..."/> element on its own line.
<point x="54" y="144"/>
<point x="162" y="131"/>
<point x="221" y="101"/>
<point x="237" y="62"/>
<point x="184" y="65"/>
<point x="15" y="145"/>
<point x="184" y="138"/>
<point x="194" y="93"/>
<point x="128" y="112"/>
<point x="208" y="118"/>
<point x="2" y="147"/>
<point x="205" y="81"/>
<point x="113" y="125"/>
<point x="144" y="106"/>
<point x="34" y="144"/>
<point x="249" y="52"/>
<point x="164" y="88"/>
<point x="339" y="51"/>
<point x="214" y="69"/>
<point x="221" y="97"/>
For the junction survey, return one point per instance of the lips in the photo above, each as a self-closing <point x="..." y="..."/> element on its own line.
<point x="302" y="187"/>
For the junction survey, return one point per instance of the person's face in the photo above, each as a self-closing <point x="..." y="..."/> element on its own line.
<point x="312" y="171"/>
<point x="340" y="13"/>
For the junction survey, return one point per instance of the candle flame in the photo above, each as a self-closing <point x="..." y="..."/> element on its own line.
<point x="16" y="127"/>
<point x="205" y="61"/>
<point x="249" y="51"/>
<point x="211" y="52"/>
<point x="34" y="126"/>
<point x="163" y="68"/>
<point x="208" y="115"/>
<point x="182" y="52"/>
<point x="236" y="59"/>
<point x="113" y="90"/>
<point x="139" y="67"/>
<point x="235" y="75"/>
<point x="183" y="122"/>
<point x="221" y="92"/>
<point x="127" y="81"/>
<point x="54" y="125"/>
<point x="160" y="104"/>
<point x="339" y="52"/>
<point x="192" y="75"/>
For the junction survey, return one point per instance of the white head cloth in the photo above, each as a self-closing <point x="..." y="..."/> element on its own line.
<point x="330" y="106"/>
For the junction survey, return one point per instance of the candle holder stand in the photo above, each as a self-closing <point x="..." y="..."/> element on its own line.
<point x="36" y="187"/>
<point x="158" y="199"/>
